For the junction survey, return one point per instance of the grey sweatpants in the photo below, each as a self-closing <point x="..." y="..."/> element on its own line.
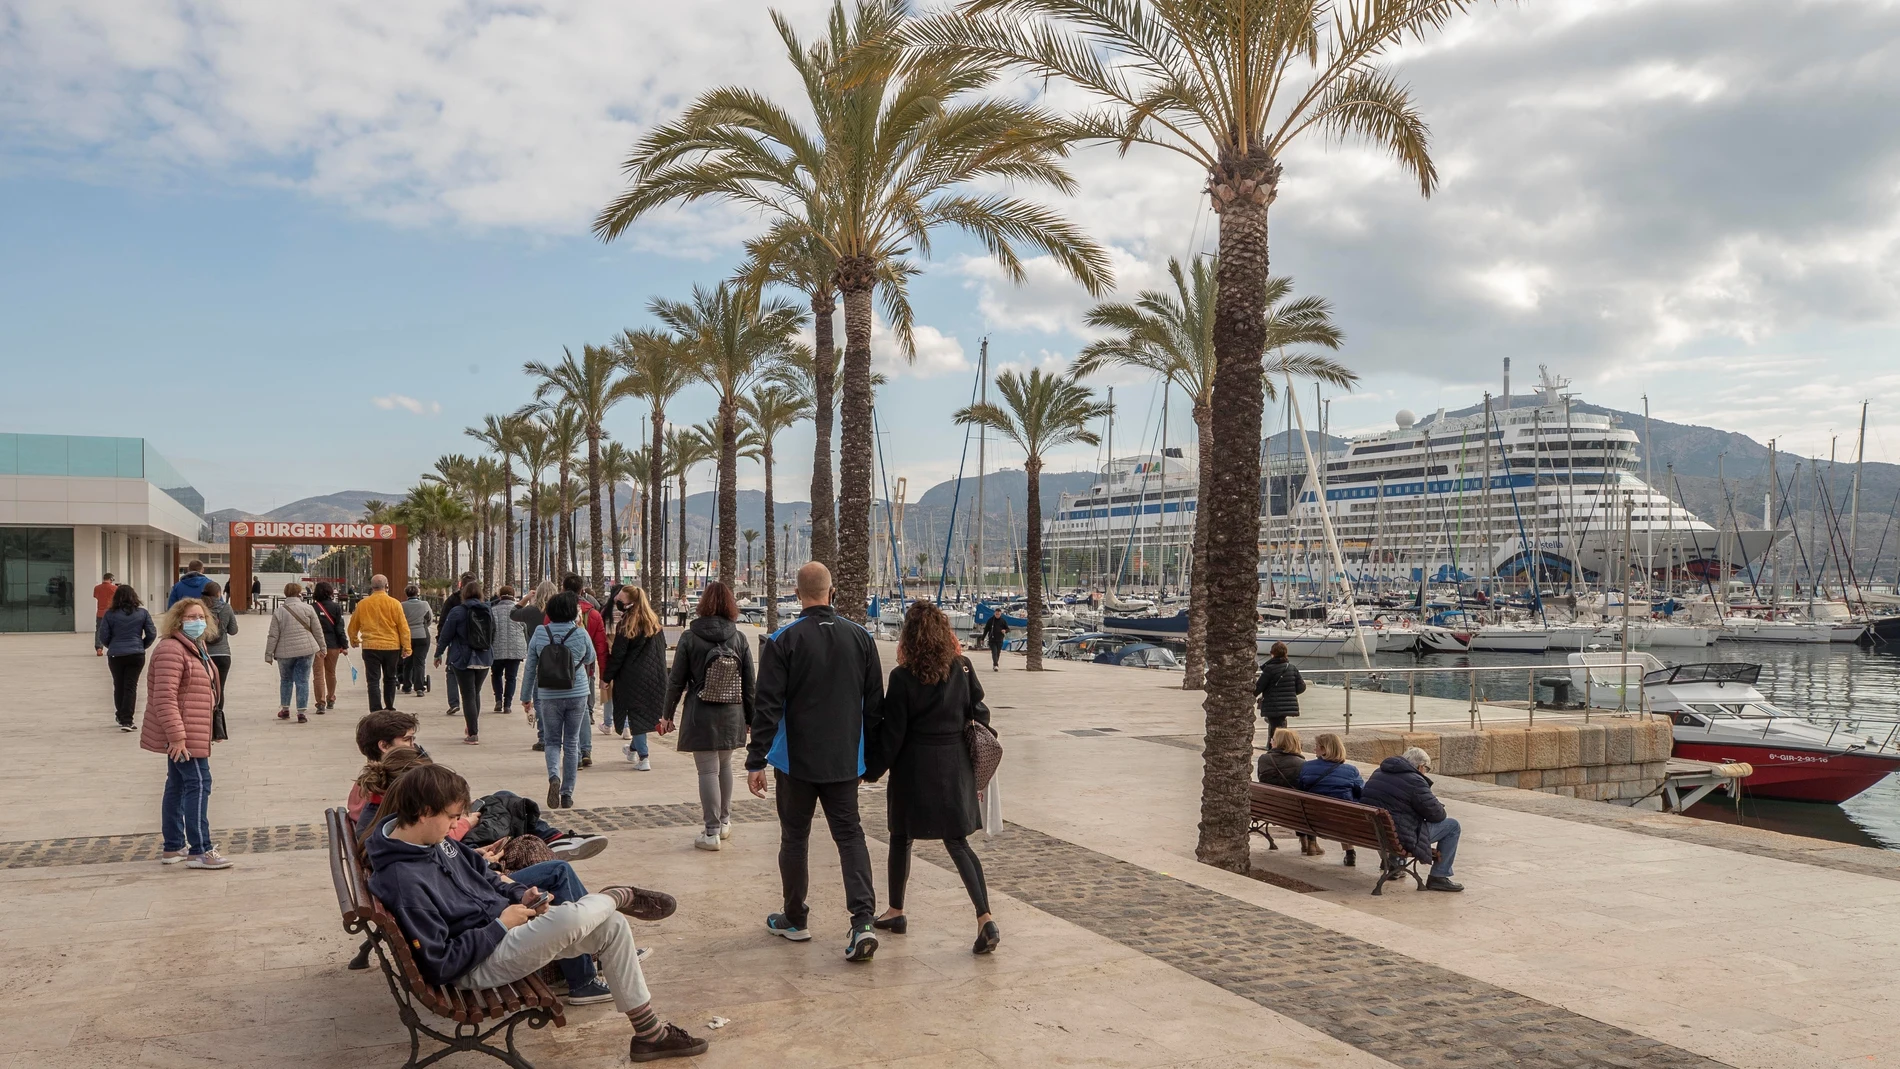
<point x="570" y="929"/>
<point x="715" y="787"/>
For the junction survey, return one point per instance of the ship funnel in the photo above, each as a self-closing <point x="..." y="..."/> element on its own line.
<point x="1507" y="384"/>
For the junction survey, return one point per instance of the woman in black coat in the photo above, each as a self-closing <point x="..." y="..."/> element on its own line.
<point x="710" y="731"/>
<point x="1279" y="688"/>
<point x="633" y="681"/>
<point x="933" y="693"/>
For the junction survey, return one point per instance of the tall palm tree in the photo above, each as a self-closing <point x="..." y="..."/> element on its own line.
<point x="769" y="410"/>
<point x="685" y="448"/>
<point x="737" y="339"/>
<point x="535" y="445"/>
<point x="1040" y="412"/>
<point x="587" y="389"/>
<point x="1230" y="85"/>
<point x="750" y="535"/>
<point x="660" y="365"/>
<point x="564" y="433"/>
<point x="1172" y="336"/>
<point x="456" y="473"/>
<point x="616" y="467"/>
<point x="503" y="435"/>
<point x="897" y="144"/>
<point x="484" y="482"/>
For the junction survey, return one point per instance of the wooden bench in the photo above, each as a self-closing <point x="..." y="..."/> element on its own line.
<point x="527" y="1000"/>
<point x="1353" y="823"/>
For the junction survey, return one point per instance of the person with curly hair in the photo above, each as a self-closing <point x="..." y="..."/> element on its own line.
<point x="932" y="694"/>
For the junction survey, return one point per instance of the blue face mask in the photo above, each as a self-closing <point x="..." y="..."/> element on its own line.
<point x="193" y="629"/>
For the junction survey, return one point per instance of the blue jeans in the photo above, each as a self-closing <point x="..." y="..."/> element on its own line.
<point x="638" y="744"/>
<point x="293" y="671"/>
<point x="1443" y="835"/>
<point x="558" y="879"/>
<point x="562" y="720"/>
<point x="587" y="718"/>
<point x="186" y="810"/>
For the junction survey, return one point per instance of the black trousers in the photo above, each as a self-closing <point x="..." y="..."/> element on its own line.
<point x="415" y="668"/>
<point x="964" y="858"/>
<point x="382" y="667"/>
<point x="507" y="670"/>
<point x="125" y="669"/>
<point x="468" y="683"/>
<point x="223" y="663"/>
<point x="996" y="654"/>
<point x="797" y="801"/>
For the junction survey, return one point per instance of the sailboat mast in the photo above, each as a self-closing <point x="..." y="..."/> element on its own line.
<point x="1649" y="523"/>
<point x="1853" y="516"/>
<point x="1108" y="524"/>
<point x="982" y="443"/>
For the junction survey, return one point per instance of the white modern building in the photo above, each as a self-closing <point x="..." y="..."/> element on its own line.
<point x="73" y="508"/>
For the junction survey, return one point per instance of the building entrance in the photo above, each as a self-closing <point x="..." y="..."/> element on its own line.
<point x="388" y="548"/>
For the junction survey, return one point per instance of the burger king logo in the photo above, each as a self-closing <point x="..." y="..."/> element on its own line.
<point x="242" y="530"/>
<point x="385" y="531"/>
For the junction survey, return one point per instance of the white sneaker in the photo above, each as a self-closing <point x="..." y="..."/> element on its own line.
<point x="706" y="841"/>
<point x="629" y="753"/>
<point x="642" y="765"/>
<point x="725" y="830"/>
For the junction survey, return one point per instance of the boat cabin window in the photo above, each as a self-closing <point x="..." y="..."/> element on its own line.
<point x="1690" y="720"/>
<point x="1711" y="709"/>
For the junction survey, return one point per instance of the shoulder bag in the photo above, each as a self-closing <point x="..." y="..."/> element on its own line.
<point x="986" y="750"/>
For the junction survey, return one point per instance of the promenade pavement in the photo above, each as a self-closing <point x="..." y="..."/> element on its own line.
<point x="1585" y="938"/>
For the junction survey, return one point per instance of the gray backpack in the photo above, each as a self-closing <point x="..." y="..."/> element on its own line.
<point x="725" y="682"/>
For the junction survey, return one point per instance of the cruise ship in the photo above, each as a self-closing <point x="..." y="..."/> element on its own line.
<point x="1537" y="486"/>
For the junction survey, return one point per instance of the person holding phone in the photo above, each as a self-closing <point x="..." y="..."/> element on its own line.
<point x="180" y="701"/>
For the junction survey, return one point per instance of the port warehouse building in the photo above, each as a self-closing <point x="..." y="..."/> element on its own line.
<point x="73" y="508"/>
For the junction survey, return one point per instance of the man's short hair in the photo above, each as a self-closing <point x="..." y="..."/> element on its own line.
<point x="108" y="577"/>
<point x="562" y="608"/>
<point x="572" y="582"/>
<point x="379" y="582"/>
<point x="1418" y="758"/>
<point x="212" y="590"/>
<point x="379" y="727"/>
<point x="814" y="580"/>
<point x="468" y="577"/>
<point x="412" y="590"/>
<point x="195" y="566"/>
<point x="423" y="790"/>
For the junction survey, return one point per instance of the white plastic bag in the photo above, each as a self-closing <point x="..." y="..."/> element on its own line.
<point x="990" y="800"/>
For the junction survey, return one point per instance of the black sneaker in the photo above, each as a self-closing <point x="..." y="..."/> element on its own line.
<point x="672" y="1042"/>
<point x="538" y="746"/>
<point x="863" y="944"/>
<point x="589" y="993"/>
<point x="554" y="792"/>
<point x="1442" y="883"/>
<point x="587" y="758"/>
<point x="567" y="801"/>
<point x="127" y="727"/>
<point x="779" y="924"/>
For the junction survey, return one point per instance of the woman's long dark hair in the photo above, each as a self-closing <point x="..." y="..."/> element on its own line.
<point x="323" y="592"/>
<point x="125" y="599"/>
<point x="718" y="601"/>
<point x="927" y="645"/>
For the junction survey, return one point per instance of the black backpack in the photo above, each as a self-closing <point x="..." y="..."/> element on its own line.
<point x="478" y="630"/>
<point x="553" y="666"/>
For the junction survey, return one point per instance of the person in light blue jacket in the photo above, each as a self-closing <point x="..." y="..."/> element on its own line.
<point x="563" y="711"/>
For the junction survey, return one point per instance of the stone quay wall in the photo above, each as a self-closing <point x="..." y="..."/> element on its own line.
<point x="1609" y="759"/>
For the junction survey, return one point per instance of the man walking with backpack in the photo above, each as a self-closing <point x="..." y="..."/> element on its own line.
<point x="381" y="628"/>
<point x="468" y="636"/>
<point x="819" y="683"/>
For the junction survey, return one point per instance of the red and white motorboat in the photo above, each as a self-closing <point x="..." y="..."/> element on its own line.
<point x="1720" y="716"/>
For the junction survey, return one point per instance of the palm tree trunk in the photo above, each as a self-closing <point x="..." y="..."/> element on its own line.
<point x="509" y="565"/>
<point x="613" y="532"/>
<point x="682" y="538"/>
<point x="824" y="530"/>
<point x="595" y="548"/>
<point x="488" y="544"/>
<point x="528" y="577"/>
<point x="1242" y="188"/>
<point x="564" y="547"/>
<point x="1032" y="583"/>
<point x="728" y="489"/>
<point x="771" y="555"/>
<point x="656" y="549"/>
<point x="851" y="574"/>
<point x="1194" y="674"/>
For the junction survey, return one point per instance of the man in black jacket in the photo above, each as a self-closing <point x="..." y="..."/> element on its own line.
<point x="450" y="602"/>
<point x="1401" y="787"/>
<point x="819" y="684"/>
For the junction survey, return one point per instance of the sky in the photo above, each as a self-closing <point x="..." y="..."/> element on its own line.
<point x="301" y="247"/>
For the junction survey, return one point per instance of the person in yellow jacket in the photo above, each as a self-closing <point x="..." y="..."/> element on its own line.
<point x="380" y="628"/>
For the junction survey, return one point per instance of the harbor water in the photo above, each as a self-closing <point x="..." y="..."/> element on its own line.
<point x="1837" y="679"/>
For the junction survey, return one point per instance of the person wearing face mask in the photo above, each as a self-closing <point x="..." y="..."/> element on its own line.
<point x="180" y="702"/>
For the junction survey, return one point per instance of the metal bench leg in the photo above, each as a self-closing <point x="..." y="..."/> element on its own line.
<point x="1259" y="827"/>
<point x="466" y="1037"/>
<point x="361" y="960"/>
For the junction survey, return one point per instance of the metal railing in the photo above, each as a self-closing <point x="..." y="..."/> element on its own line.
<point x="1472" y="688"/>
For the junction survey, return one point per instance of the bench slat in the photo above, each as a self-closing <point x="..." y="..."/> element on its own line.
<point x="509" y="997"/>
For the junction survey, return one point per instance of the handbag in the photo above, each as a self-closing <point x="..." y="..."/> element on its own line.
<point x="986" y="750"/>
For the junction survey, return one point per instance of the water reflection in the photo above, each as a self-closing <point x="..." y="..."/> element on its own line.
<point x="1835" y="679"/>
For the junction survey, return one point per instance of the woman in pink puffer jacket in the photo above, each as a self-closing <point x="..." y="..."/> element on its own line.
<point x="181" y="694"/>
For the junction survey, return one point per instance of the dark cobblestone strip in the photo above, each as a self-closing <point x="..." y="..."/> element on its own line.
<point x="106" y="849"/>
<point x="1406" y="1011"/>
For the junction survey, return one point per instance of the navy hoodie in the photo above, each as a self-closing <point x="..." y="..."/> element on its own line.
<point x="445" y="897"/>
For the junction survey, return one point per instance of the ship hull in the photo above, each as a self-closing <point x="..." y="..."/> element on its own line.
<point x="1794" y="775"/>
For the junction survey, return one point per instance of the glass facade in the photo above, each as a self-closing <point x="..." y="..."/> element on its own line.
<point x="36" y="577"/>
<point x="97" y="458"/>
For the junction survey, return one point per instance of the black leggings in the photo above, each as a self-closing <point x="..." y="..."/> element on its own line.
<point x="125" y="669"/>
<point x="968" y="867"/>
<point x="467" y="682"/>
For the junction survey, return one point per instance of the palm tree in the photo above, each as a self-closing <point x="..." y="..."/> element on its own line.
<point x="769" y="410"/>
<point x="750" y="536"/>
<point x="616" y="467"/>
<point x="564" y="432"/>
<point x="587" y="390"/>
<point x="456" y="473"/>
<point x="1231" y="85"/>
<point x="1172" y="336"/>
<point x="534" y="443"/>
<point x="685" y="447"/>
<point x="895" y="148"/>
<point x="1040" y="412"/>
<point x="737" y="339"/>
<point x="660" y="365"/>
<point x="503" y="435"/>
<point x="484" y="482"/>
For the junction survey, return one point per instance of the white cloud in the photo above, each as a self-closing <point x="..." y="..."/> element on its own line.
<point x="394" y="401"/>
<point x="937" y="353"/>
